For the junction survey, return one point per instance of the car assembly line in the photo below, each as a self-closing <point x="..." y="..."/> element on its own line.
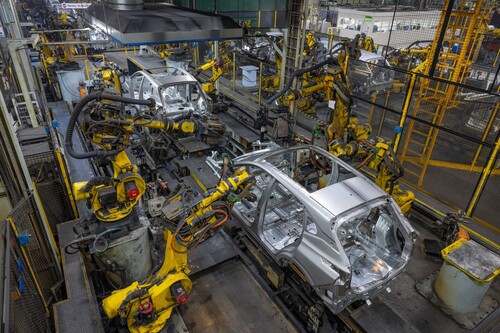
<point x="211" y="166"/>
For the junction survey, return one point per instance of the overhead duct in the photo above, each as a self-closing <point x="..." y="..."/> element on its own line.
<point x="126" y="4"/>
<point x="128" y="24"/>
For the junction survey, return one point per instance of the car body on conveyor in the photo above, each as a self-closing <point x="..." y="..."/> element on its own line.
<point x="370" y="73"/>
<point x="310" y="210"/>
<point x="174" y="90"/>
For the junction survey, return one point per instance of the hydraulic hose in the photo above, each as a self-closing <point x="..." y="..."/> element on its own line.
<point x="294" y="75"/>
<point x="303" y="71"/>
<point x="68" y="142"/>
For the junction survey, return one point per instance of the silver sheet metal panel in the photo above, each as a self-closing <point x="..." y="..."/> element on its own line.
<point x="161" y="23"/>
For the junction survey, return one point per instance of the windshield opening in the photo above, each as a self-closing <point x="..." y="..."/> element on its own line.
<point x="310" y="167"/>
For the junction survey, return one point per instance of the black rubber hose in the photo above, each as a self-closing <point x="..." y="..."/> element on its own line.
<point x="68" y="142"/>
<point x="335" y="49"/>
<point x="298" y="73"/>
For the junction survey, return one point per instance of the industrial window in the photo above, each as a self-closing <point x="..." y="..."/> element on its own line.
<point x="350" y="23"/>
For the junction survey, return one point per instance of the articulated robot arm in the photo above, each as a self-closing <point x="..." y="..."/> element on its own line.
<point x="218" y="67"/>
<point x="346" y="137"/>
<point x="146" y="307"/>
<point x="188" y="218"/>
<point x="113" y="198"/>
<point x="377" y="155"/>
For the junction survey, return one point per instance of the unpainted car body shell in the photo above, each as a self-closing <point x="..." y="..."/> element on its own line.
<point x="320" y="255"/>
<point x="370" y="73"/>
<point x="144" y="85"/>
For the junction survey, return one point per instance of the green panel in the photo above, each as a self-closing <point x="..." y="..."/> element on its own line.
<point x="181" y="3"/>
<point x="237" y="5"/>
<point x="226" y="5"/>
<point x="268" y="4"/>
<point x="205" y="5"/>
<point x="280" y="4"/>
<point x="248" y="6"/>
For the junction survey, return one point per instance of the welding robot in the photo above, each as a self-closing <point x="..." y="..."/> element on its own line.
<point x="345" y="137"/>
<point x="145" y="268"/>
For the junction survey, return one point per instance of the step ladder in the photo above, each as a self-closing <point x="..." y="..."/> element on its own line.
<point x="296" y="16"/>
<point x="21" y="109"/>
<point x="463" y="37"/>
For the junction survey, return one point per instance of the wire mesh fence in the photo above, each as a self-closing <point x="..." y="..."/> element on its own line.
<point x="449" y="129"/>
<point x="447" y="137"/>
<point x="26" y="309"/>
<point x="47" y="175"/>
<point x="23" y="307"/>
<point x="487" y="205"/>
<point x="38" y="247"/>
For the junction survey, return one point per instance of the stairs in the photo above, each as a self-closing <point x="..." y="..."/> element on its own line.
<point x="22" y="110"/>
<point x="296" y="23"/>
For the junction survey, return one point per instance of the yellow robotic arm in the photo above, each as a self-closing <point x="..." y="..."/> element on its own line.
<point x="380" y="158"/>
<point x="113" y="198"/>
<point x="218" y="68"/>
<point x="147" y="307"/>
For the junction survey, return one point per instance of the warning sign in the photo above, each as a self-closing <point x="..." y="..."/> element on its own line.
<point x="75" y="5"/>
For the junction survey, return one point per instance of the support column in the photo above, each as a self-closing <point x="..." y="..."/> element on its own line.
<point x="216" y="56"/>
<point x="404" y="112"/>
<point x="485" y="175"/>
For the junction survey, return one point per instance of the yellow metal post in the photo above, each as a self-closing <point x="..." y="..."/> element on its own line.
<point x="258" y="19"/>
<point x="483" y="179"/>
<point x="86" y="69"/>
<point x="486" y="131"/>
<point x="404" y="112"/>
<point x="330" y="37"/>
<point x="496" y="58"/>
<point x="234" y="72"/>
<point x="46" y="223"/>
<point x="275" y="17"/>
<point x="260" y="83"/>
<point x="196" y="55"/>
<point x="382" y="117"/>
<point x="372" y="108"/>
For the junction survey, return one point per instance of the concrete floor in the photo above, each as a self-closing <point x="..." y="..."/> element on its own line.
<point x="410" y="305"/>
<point x="228" y="299"/>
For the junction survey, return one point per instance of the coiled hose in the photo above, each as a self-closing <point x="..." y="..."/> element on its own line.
<point x="68" y="143"/>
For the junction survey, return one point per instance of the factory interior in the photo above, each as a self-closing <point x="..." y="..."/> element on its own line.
<point x="166" y="166"/>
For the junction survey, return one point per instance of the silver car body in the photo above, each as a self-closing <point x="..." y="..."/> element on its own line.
<point x="347" y="237"/>
<point x="370" y="73"/>
<point x="174" y="90"/>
